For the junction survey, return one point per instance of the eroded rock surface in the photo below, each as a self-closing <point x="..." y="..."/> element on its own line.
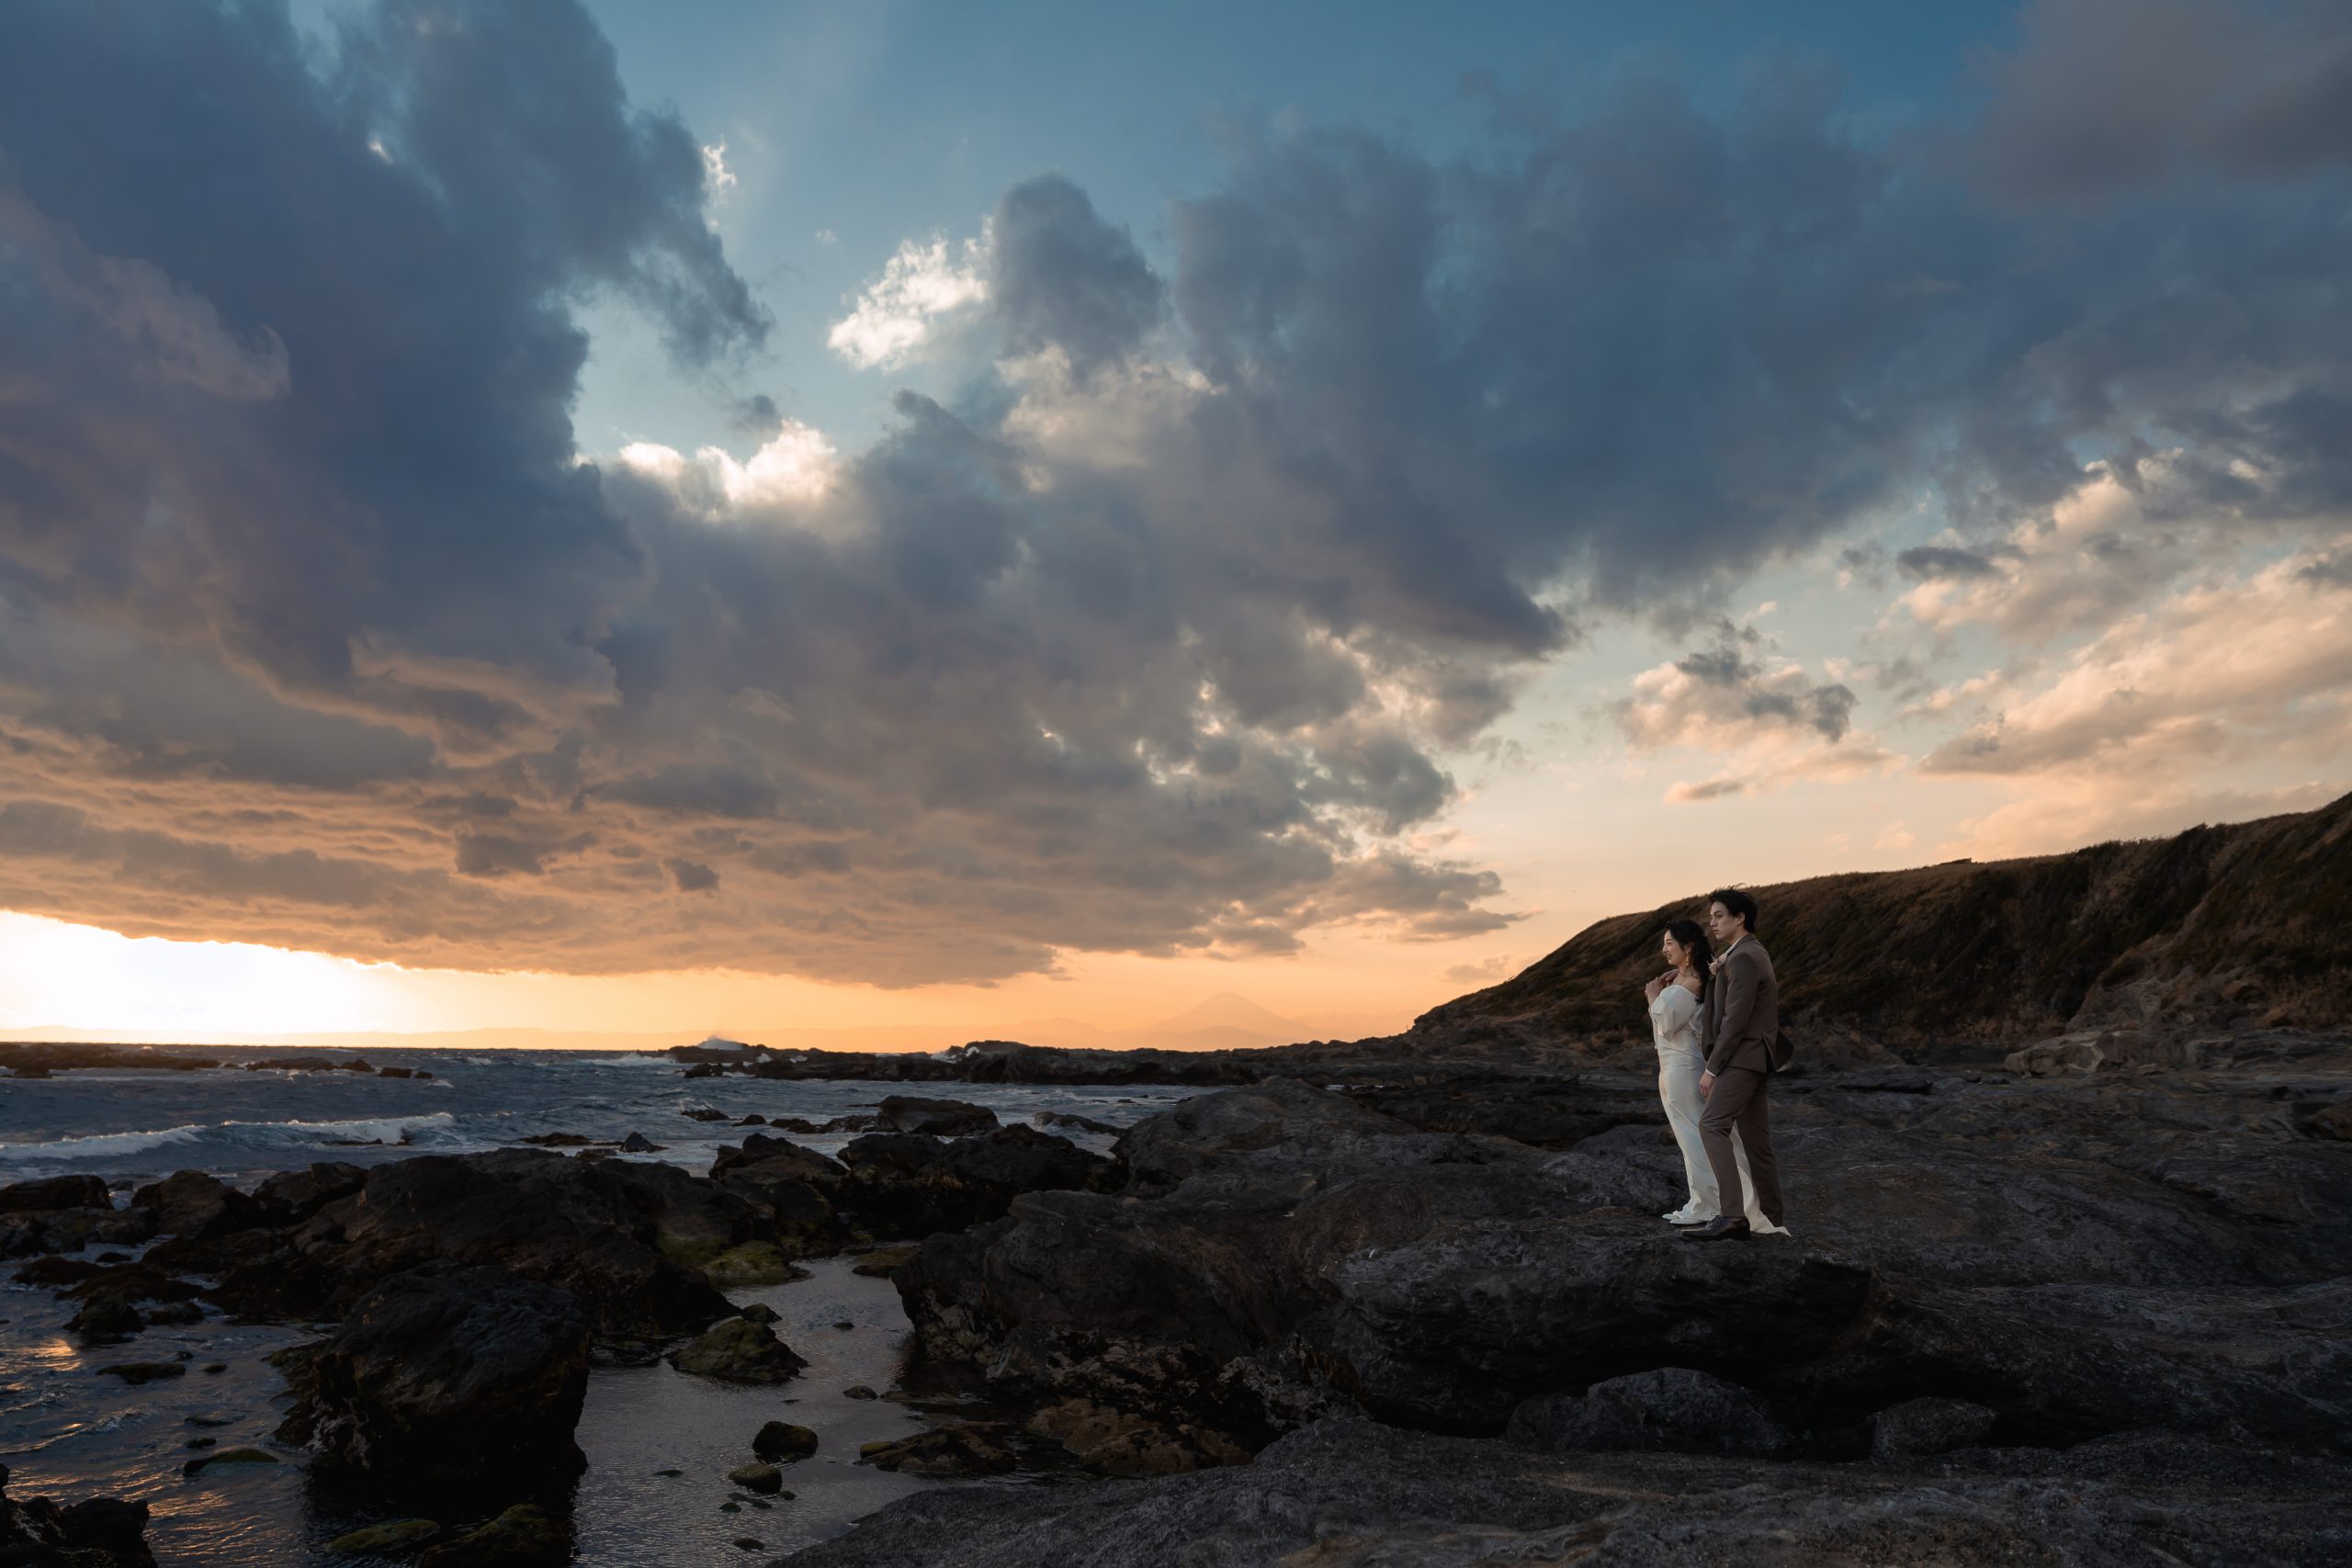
<point x="100" y="1532"/>
<point x="939" y="1118"/>
<point x="2082" y="1258"/>
<point x="63" y="1213"/>
<point x="1350" y="1493"/>
<point x="449" y="1372"/>
<point x="1669" y="1410"/>
<point x="624" y="1238"/>
<point x="738" y="1350"/>
<point x="910" y="1184"/>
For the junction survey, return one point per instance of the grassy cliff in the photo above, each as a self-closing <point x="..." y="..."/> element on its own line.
<point x="2215" y="928"/>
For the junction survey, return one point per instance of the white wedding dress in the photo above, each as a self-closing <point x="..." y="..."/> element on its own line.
<point x="1674" y="1026"/>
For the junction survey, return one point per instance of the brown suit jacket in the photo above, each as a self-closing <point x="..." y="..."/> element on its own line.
<point x="1743" y="1011"/>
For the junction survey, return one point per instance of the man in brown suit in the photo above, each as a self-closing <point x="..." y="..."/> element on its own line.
<point x="1738" y="1030"/>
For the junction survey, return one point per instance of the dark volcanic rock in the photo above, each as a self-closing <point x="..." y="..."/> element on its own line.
<point x="2064" y="1362"/>
<point x="939" y="1118"/>
<point x="968" y="1448"/>
<point x="738" y="1350"/>
<point x="110" y="1299"/>
<point x="103" y="1321"/>
<point x="2076" y="1259"/>
<point x="462" y="1373"/>
<point x="1352" y="1494"/>
<point x="291" y="1196"/>
<point x="2333" y="1120"/>
<point x="905" y="1184"/>
<point x="1190" y="1306"/>
<point x="1451" y="1330"/>
<point x="64" y="1214"/>
<point x="238" y="1456"/>
<point x="1543" y="1110"/>
<point x="190" y="1203"/>
<point x="40" y="1059"/>
<point x="1006" y="1061"/>
<point x="1918" y="1427"/>
<point x="1070" y="1119"/>
<point x="781" y="1439"/>
<point x="63" y="1230"/>
<point x="693" y="1218"/>
<point x="102" y="1532"/>
<point x="774" y="1158"/>
<point x="392" y="1537"/>
<point x="793" y="1186"/>
<point x="524" y="1536"/>
<point x="765" y="1479"/>
<point x="881" y="1262"/>
<point x="56" y="1273"/>
<point x="619" y="1236"/>
<point x="1116" y="1442"/>
<point x="1670" y="1410"/>
<point x="56" y="1193"/>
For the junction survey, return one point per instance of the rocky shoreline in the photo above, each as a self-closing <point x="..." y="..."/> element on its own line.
<point x="1399" y="1312"/>
<point x="2109" y="1316"/>
<point x="40" y="1059"/>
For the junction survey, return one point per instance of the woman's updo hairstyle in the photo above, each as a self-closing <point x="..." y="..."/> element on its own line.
<point x="1694" y="938"/>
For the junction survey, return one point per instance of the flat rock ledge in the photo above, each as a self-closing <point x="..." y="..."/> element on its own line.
<point x="1347" y="1493"/>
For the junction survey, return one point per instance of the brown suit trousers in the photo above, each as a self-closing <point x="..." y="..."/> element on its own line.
<point x="1742" y="1015"/>
<point x="1739" y="1100"/>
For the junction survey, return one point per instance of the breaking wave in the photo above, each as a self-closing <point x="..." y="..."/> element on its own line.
<point x="237" y="1134"/>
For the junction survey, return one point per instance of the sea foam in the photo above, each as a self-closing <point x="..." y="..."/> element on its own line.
<point x="239" y="1134"/>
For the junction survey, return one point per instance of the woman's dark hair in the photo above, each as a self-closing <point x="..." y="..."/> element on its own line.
<point x="1739" y="905"/>
<point x="1694" y="938"/>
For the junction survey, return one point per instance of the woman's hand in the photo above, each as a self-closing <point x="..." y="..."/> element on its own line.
<point x="1660" y="984"/>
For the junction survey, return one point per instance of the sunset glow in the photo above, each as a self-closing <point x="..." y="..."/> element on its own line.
<point x="1319" y="523"/>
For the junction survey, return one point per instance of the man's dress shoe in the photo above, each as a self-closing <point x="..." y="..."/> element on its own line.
<point x="1730" y="1227"/>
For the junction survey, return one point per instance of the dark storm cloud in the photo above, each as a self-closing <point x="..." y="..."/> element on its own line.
<point x="1928" y="562"/>
<point x="411" y="468"/>
<point x="2107" y="96"/>
<point x="1158" y="655"/>
<point x="1065" y="278"/>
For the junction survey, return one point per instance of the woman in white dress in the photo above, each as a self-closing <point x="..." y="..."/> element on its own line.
<point x="1675" y="998"/>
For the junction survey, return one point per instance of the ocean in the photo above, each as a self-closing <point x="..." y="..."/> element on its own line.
<point x="69" y="1433"/>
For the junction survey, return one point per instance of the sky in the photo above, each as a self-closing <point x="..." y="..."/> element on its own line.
<point x="923" y="519"/>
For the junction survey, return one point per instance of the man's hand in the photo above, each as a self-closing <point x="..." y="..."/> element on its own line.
<point x="1706" y="1084"/>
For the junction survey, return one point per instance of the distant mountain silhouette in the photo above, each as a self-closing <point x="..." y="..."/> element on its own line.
<point x="1227" y="1020"/>
<point x="1228" y="1011"/>
<point x="2217" y="928"/>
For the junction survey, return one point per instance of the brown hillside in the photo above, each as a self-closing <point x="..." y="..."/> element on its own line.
<point x="2216" y="928"/>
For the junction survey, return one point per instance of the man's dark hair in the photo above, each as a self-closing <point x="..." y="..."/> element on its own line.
<point x="1739" y="905"/>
